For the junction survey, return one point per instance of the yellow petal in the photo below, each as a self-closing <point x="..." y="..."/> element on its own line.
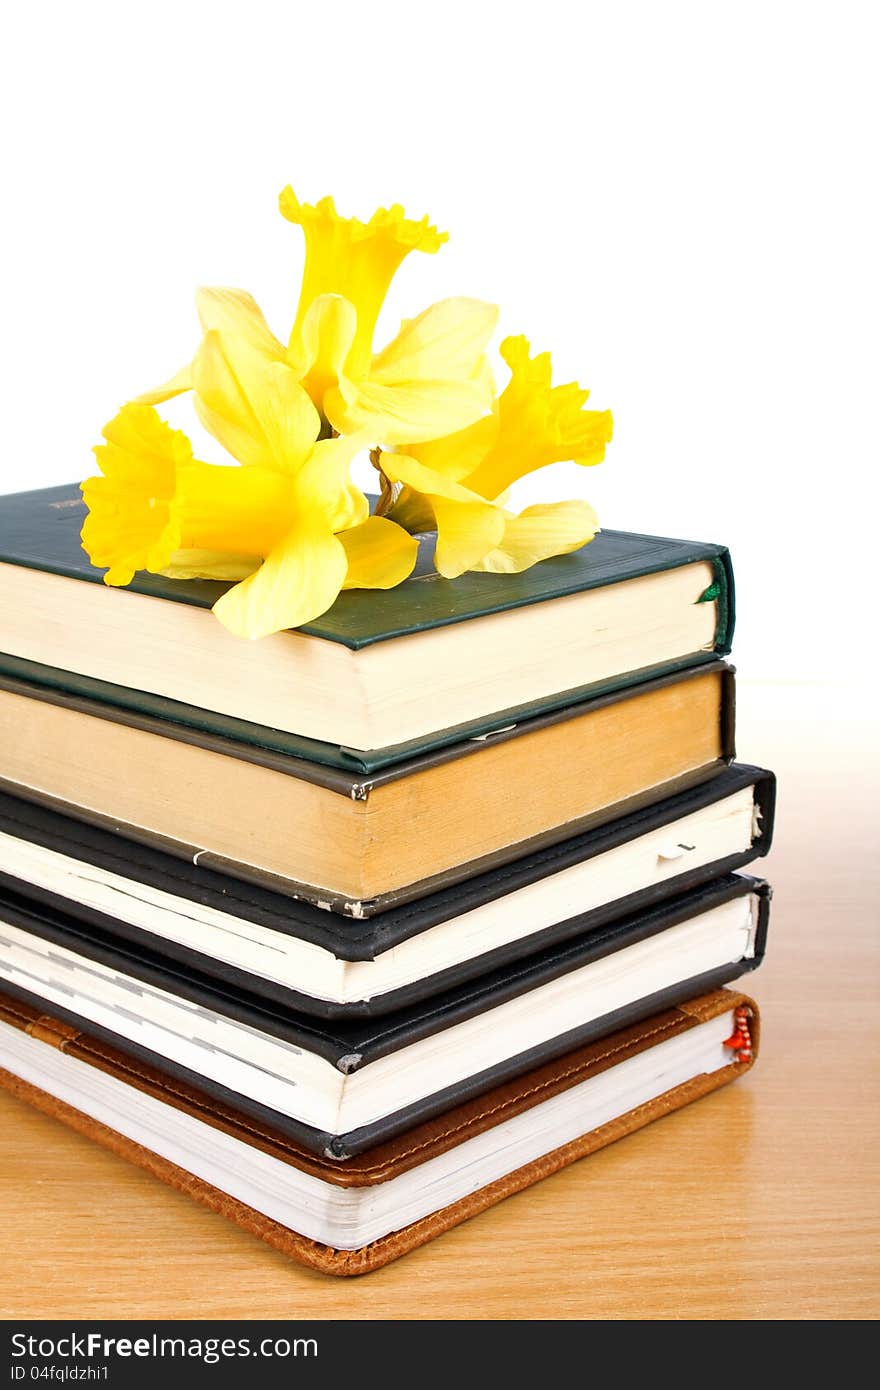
<point x="468" y="526"/>
<point x="288" y="417"/>
<point x="552" y="528"/>
<point x="298" y="582"/>
<point x="466" y="532"/>
<point x="355" y="259"/>
<point x="458" y="455"/>
<point x="226" y="311"/>
<point x="240" y="390"/>
<point x="538" y="424"/>
<point x="223" y="404"/>
<point x="328" y="332"/>
<point x="406" y="413"/>
<point x="446" y="342"/>
<point x="323" y="485"/>
<point x="210" y="564"/>
<point x="180" y="382"/>
<point x="255" y="407"/>
<point x="430" y="381"/>
<point x="236" y="313"/>
<point x="379" y="554"/>
<point x="402" y="468"/>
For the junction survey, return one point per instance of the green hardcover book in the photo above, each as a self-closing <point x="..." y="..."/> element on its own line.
<point x="382" y="675"/>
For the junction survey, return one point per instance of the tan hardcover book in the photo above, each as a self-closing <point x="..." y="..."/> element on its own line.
<point x="356" y="842"/>
<point x="355" y="1215"/>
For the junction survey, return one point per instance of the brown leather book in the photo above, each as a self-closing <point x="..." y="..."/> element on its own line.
<point x="353" y="1216"/>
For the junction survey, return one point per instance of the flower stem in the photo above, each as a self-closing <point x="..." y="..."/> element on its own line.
<point x="387" y="489"/>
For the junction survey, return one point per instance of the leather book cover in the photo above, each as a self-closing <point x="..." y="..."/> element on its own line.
<point x="408" y="1151"/>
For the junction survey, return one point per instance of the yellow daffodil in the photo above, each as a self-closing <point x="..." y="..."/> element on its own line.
<point x="291" y="528"/>
<point x="285" y="526"/>
<point x="455" y="484"/>
<point x="431" y="380"/>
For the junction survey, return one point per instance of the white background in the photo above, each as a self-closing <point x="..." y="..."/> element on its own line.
<point x="679" y="200"/>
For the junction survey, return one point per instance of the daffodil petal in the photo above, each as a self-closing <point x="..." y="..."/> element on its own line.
<point x="431" y="381"/>
<point x="466" y="532"/>
<point x="380" y="554"/>
<point x="404" y="414"/>
<point x="223" y="403"/>
<point x="289" y="419"/>
<point x="401" y="468"/>
<point x="468" y="526"/>
<point x="446" y="342"/>
<point x="255" y="407"/>
<point x="236" y="313"/>
<point x="552" y="528"/>
<point x="323" y="485"/>
<point x="180" y="382"/>
<point x="458" y="455"/>
<point x="210" y="564"/>
<point x="235" y="396"/>
<point x="328" y="332"/>
<point x="296" y="583"/>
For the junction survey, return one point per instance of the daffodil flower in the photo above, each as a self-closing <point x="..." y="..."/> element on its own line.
<point x="456" y="484"/>
<point x="285" y="526"/>
<point x="290" y="527"/>
<point x="431" y="380"/>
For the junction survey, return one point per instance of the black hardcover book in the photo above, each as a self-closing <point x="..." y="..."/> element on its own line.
<point x="339" y="1087"/>
<point x="295" y="954"/>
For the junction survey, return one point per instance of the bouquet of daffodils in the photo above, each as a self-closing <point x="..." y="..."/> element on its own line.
<point x="285" y="522"/>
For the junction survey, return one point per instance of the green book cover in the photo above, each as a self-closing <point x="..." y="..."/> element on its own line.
<point x="40" y="530"/>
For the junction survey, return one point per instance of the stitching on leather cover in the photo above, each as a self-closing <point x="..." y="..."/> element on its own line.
<point x="8" y="1006"/>
<point x="524" y="1095"/>
<point x="92" y="1047"/>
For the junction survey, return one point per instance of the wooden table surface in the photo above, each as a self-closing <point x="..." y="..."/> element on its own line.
<point x="759" y="1202"/>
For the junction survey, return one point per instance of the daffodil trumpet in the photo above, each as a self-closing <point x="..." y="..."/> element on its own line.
<point x="431" y="379"/>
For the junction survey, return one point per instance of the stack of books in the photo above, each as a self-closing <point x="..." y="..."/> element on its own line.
<point x="356" y="930"/>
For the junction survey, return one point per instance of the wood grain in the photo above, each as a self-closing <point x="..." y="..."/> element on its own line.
<point x="760" y="1202"/>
